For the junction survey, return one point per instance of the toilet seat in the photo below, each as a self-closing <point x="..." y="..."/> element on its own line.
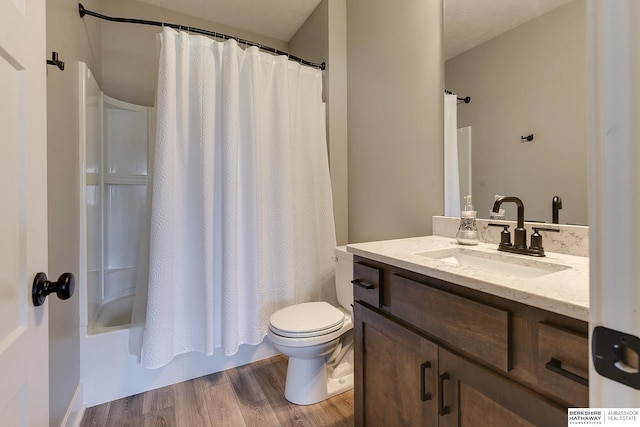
<point x="306" y="320"/>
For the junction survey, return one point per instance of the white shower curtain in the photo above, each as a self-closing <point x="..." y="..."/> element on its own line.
<point x="242" y="219"/>
<point x="451" y="175"/>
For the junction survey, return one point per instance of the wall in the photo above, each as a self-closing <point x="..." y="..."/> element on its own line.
<point x="75" y="40"/>
<point x="323" y="37"/>
<point x="395" y="85"/>
<point x="130" y="52"/>
<point x="532" y="79"/>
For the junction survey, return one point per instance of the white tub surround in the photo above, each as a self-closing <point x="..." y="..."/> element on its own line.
<point x="570" y="240"/>
<point x="112" y="180"/>
<point x="564" y="292"/>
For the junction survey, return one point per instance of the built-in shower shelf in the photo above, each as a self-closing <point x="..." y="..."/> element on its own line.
<point x="116" y="179"/>
<point x="118" y="270"/>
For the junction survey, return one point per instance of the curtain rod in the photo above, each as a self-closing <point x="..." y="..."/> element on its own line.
<point x="82" y="11"/>
<point x="466" y="99"/>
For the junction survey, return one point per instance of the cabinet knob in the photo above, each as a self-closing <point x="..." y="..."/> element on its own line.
<point x="64" y="287"/>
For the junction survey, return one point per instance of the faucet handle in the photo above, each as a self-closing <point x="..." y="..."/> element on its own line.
<point x="505" y="235"/>
<point x="536" y="238"/>
<point x="535" y="229"/>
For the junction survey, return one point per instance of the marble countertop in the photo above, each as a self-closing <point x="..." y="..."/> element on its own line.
<point x="564" y="292"/>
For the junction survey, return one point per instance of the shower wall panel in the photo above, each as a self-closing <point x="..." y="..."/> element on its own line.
<point x="117" y="153"/>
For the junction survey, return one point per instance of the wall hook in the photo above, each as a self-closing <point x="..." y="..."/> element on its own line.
<point x="55" y="61"/>
<point x="526" y="138"/>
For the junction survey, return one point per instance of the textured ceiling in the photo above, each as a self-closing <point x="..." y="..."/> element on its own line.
<point x="469" y="23"/>
<point x="279" y="19"/>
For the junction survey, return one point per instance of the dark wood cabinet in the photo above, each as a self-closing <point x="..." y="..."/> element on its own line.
<point x="432" y="353"/>
<point x="563" y="366"/>
<point x="470" y="326"/>
<point x="474" y="396"/>
<point x="396" y="372"/>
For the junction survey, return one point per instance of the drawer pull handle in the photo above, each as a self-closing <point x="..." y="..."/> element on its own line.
<point x="367" y="286"/>
<point x="442" y="409"/>
<point x="424" y="395"/>
<point x="555" y="365"/>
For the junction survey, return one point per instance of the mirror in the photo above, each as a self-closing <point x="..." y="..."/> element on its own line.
<point x="529" y="80"/>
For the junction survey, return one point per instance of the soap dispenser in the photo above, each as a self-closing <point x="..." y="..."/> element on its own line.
<point x="468" y="231"/>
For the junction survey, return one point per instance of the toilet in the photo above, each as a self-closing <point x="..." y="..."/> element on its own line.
<point x="318" y="339"/>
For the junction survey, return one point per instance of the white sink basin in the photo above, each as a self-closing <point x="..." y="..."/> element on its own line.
<point x="496" y="263"/>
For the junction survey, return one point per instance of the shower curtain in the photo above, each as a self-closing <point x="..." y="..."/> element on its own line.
<point x="242" y="218"/>
<point x="451" y="175"/>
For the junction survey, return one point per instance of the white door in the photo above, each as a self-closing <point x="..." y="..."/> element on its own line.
<point x="24" y="373"/>
<point x="614" y="196"/>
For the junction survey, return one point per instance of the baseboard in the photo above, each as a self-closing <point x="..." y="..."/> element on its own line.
<point x="75" y="411"/>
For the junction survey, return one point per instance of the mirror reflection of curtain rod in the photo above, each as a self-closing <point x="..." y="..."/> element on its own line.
<point x="82" y="11"/>
<point x="466" y="99"/>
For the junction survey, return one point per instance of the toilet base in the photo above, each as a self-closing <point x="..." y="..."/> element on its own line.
<point x="307" y="382"/>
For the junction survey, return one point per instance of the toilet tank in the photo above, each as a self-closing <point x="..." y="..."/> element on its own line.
<point x="344" y="276"/>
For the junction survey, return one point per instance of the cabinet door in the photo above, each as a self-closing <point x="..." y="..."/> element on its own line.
<point x="563" y="364"/>
<point x="472" y="395"/>
<point x="395" y="373"/>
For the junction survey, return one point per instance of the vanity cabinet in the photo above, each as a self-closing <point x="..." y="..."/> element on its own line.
<point x="397" y="377"/>
<point x="475" y="396"/>
<point x="429" y="353"/>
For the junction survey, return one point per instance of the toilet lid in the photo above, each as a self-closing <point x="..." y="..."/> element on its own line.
<point x="309" y="318"/>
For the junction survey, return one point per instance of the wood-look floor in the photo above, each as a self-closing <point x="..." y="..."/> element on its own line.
<point x="250" y="395"/>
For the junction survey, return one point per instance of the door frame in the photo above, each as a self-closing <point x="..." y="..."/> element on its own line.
<point x="614" y="178"/>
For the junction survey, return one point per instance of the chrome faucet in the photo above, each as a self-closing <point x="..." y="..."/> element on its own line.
<point x="520" y="234"/>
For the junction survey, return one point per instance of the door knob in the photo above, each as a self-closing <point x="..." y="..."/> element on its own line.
<point x="42" y="287"/>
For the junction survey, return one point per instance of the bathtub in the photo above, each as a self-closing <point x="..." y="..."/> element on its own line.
<point x="112" y="315"/>
<point x="109" y="371"/>
<point x="115" y="137"/>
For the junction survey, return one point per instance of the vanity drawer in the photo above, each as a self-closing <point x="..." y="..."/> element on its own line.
<point x="367" y="284"/>
<point x="563" y="364"/>
<point x="463" y="324"/>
